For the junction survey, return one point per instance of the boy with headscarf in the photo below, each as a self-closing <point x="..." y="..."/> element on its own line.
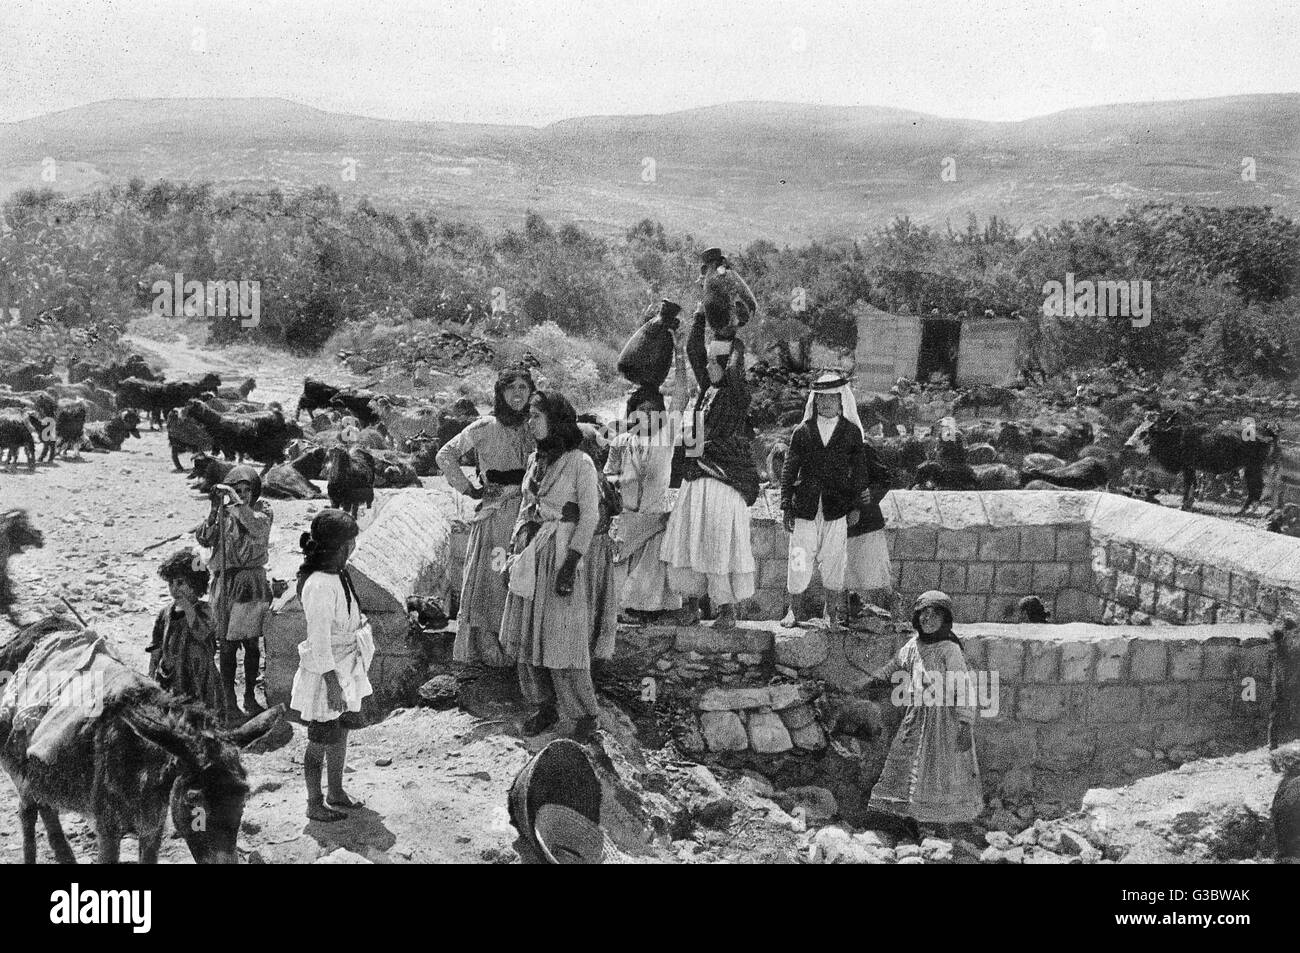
<point x="824" y="474"/>
<point x="931" y="774"/>
<point x="501" y="444"/>
<point x="238" y="530"/>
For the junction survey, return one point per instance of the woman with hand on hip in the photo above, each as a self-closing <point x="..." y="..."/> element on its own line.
<point x="332" y="661"/>
<point x="547" y="624"/>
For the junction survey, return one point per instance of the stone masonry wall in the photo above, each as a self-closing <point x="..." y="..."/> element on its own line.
<point x="1156" y="564"/>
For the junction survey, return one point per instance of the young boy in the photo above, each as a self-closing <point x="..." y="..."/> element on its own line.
<point x="184" y="640"/>
<point x="238" y="529"/>
<point x="824" y="475"/>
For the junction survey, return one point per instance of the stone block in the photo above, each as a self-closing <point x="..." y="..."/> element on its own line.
<point x="1219" y="658"/>
<point x="1243" y="590"/>
<point x="1268" y="600"/>
<point x="1162" y="568"/>
<point x="1171" y="604"/>
<point x="1000" y="746"/>
<point x="1147" y="596"/>
<point x="1187" y="576"/>
<point x="709" y="641"/>
<point x="1043" y="702"/>
<point x="801" y="648"/>
<point x="952" y="577"/>
<point x="1227" y="613"/>
<point x="1073" y="542"/>
<point x="975" y="649"/>
<point x="1066" y="747"/>
<point x="1142" y="563"/>
<point x="1006" y="657"/>
<point x="1049" y="577"/>
<point x="798" y="716"/>
<point x="1038" y="543"/>
<point x="1148" y="661"/>
<point x="999" y="545"/>
<point x="1083" y="577"/>
<point x="809" y="738"/>
<point x="1003" y="607"/>
<point x="1013" y="578"/>
<point x="979" y="577"/>
<point x="1166" y="702"/>
<point x="768" y="603"/>
<point x="1106" y="581"/>
<point x="1071" y="605"/>
<point x="915" y="543"/>
<point x="1042" y="661"/>
<point x="1201" y="610"/>
<point x="1076" y="661"/>
<point x="1111" y="704"/>
<point x="767" y="733"/>
<point x="970" y="607"/>
<point x="958" y="544"/>
<point x="1126" y="590"/>
<point x="1256" y="661"/>
<point x="919" y="576"/>
<point x="1119" y="556"/>
<point x="1216" y="583"/>
<point x="724" y="731"/>
<point x="1184" y="660"/>
<point x="1112" y="656"/>
<point x="1211" y="701"/>
<point x="762" y="540"/>
<point x="1115" y="743"/>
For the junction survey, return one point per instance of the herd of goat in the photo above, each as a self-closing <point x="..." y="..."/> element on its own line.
<point x="358" y="441"/>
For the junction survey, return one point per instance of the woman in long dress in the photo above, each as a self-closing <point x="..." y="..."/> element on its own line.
<point x="501" y="444"/>
<point x="639" y="466"/>
<point x="333" y="660"/>
<point x="547" y="625"/>
<point x="931" y="774"/>
<point x="706" y="542"/>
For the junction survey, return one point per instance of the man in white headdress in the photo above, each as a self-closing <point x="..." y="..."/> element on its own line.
<point x="824" y="475"/>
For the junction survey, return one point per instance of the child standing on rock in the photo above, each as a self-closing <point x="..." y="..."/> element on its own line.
<point x="238" y="530"/>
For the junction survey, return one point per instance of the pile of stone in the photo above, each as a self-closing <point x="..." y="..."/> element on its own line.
<point x="769" y="720"/>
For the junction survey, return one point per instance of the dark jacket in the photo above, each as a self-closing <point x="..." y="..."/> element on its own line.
<point x="725" y="454"/>
<point x="878" y="478"/>
<point x="831" y="476"/>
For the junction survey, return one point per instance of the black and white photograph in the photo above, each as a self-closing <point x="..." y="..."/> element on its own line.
<point x="527" y="432"/>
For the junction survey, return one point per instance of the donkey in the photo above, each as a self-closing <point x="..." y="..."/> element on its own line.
<point x="144" y="752"/>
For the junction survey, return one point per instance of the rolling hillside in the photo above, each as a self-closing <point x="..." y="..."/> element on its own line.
<point x="730" y="173"/>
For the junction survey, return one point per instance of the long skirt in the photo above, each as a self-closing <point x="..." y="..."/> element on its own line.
<point x="241" y="601"/>
<point x="925" y="777"/>
<point x="483" y="594"/>
<point x="645" y="580"/>
<point x="550" y="630"/>
<point x="602" y="596"/>
<point x="867" y="567"/>
<point x="706" y="545"/>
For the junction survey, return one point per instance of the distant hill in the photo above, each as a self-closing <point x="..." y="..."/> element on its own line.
<point x="729" y="173"/>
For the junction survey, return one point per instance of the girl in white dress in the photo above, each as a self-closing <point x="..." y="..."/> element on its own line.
<point x="332" y="661"/>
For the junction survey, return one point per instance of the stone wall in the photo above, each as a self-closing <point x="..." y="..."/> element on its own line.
<point x="1077" y="704"/>
<point x="1156" y="564"/>
<point x="405" y="551"/>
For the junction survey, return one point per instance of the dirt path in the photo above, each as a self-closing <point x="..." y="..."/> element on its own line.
<point x="440" y="792"/>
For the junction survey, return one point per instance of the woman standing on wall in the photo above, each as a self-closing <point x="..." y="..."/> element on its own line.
<point x="331" y="680"/>
<point x="546" y="627"/>
<point x="706" y="543"/>
<point x="501" y="444"/>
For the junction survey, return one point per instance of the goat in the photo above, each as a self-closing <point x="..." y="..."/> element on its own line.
<point x="16" y="534"/>
<point x="350" y="476"/>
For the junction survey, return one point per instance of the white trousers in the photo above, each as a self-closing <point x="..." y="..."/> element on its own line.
<point x="822" y="541"/>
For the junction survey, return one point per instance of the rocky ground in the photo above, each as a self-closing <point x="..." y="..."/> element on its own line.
<point x="435" y="782"/>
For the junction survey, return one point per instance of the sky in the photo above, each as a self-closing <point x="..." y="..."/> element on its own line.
<point x="538" y="61"/>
